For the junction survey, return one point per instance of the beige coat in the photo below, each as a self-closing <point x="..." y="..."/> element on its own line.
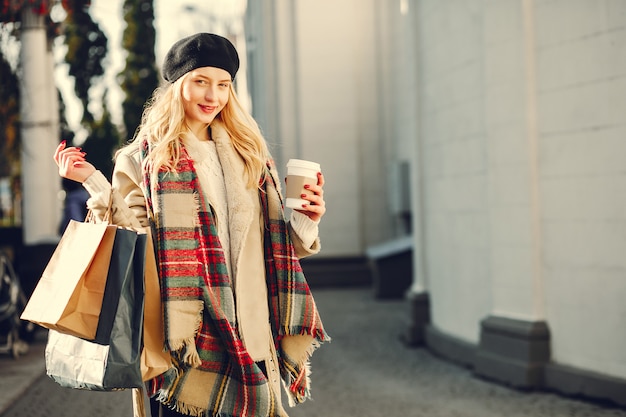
<point x="245" y="227"/>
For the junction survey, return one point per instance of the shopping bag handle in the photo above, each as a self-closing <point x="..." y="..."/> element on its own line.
<point x="91" y="218"/>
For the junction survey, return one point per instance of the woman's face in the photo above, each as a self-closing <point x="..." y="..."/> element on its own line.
<point x="205" y="92"/>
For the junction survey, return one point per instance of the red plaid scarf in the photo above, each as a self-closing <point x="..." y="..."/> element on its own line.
<point x="213" y="374"/>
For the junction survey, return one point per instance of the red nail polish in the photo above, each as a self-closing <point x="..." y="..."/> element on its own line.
<point x="307" y="186"/>
<point x="63" y="142"/>
<point x="302" y="195"/>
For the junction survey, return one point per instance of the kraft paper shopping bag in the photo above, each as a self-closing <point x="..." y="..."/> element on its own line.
<point x="68" y="296"/>
<point x="154" y="358"/>
<point x="113" y="360"/>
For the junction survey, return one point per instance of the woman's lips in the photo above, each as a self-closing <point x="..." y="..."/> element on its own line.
<point x="207" y="109"/>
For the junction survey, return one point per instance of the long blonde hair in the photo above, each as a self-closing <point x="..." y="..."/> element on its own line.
<point x="163" y="125"/>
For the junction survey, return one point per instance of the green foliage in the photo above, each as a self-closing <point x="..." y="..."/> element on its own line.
<point x="140" y="76"/>
<point x="102" y="143"/>
<point x="66" y="133"/>
<point x="9" y="119"/>
<point x="86" y="50"/>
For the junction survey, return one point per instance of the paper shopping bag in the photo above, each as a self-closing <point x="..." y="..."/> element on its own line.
<point x="113" y="360"/>
<point x="69" y="294"/>
<point x="154" y="358"/>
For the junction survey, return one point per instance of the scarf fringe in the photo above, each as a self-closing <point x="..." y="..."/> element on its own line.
<point x="297" y="384"/>
<point x="188" y="344"/>
<point x="191" y="356"/>
<point x="163" y="397"/>
<point x="297" y="393"/>
<point x="188" y="410"/>
<point x="190" y="352"/>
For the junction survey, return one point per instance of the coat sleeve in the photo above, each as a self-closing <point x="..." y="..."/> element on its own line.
<point x="128" y="206"/>
<point x="301" y="250"/>
<point x="305" y="231"/>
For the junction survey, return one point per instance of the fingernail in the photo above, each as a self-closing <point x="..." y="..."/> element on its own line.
<point x="302" y="195"/>
<point x="307" y="186"/>
<point x="63" y="142"/>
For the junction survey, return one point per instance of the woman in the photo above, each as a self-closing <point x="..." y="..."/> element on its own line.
<point x="238" y="313"/>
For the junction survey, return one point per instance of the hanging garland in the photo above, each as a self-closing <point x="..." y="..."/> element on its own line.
<point x="10" y="9"/>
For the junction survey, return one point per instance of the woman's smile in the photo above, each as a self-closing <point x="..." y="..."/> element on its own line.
<point x="205" y="92"/>
<point x="207" y="109"/>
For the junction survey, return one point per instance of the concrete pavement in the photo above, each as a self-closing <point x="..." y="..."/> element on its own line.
<point x="365" y="371"/>
<point x="17" y="375"/>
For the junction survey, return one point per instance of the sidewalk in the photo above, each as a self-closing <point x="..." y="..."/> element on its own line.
<point x="366" y="371"/>
<point x="17" y="375"/>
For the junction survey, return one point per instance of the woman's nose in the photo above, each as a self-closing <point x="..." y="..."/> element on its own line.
<point x="209" y="93"/>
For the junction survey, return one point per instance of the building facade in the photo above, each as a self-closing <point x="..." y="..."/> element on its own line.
<point x="489" y="131"/>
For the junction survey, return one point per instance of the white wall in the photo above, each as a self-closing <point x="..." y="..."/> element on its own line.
<point x="325" y="108"/>
<point x="522" y="107"/>
<point x="581" y="88"/>
<point x="511" y="128"/>
<point x="454" y="146"/>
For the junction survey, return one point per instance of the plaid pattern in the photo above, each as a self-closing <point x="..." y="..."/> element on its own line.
<point x="213" y="374"/>
<point x="287" y="290"/>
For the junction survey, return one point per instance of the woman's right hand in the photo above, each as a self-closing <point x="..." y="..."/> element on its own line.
<point x="72" y="163"/>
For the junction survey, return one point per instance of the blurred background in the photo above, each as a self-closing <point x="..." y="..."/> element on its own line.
<point x="474" y="153"/>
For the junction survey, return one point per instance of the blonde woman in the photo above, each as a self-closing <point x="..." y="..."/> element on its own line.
<point x="238" y="315"/>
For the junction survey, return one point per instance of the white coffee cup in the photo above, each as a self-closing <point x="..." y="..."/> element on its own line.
<point x="299" y="174"/>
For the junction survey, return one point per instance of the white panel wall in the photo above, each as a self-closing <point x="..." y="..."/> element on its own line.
<point x="452" y="131"/>
<point x="582" y="99"/>
<point x="511" y="156"/>
<point x="339" y="120"/>
<point x="316" y="96"/>
<point x="494" y="80"/>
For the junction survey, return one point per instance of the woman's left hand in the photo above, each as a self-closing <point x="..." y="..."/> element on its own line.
<point x="317" y="206"/>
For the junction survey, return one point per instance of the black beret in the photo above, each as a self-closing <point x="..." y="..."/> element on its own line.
<point x="200" y="50"/>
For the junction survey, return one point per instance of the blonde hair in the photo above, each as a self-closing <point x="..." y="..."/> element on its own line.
<point x="163" y="125"/>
